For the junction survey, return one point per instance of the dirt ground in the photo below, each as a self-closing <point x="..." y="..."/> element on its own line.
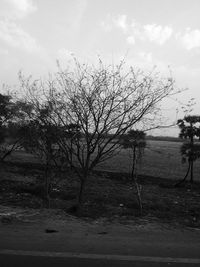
<point x="108" y="196"/>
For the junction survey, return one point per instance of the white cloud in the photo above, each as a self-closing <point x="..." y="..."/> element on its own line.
<point x="190" y="39"/>
<point x="17" y="9"/>
<point x="151" y="32"/>
<point x="12" y="34"/>
<point x="157" y="33"/>
<point x="25" y="7"/>
<point x="121" y="22"/>
<point x="15" y="36"/>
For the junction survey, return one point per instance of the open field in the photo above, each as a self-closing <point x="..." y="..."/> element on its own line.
<point x="162" y="159"/>
<point x="109" y="192"/>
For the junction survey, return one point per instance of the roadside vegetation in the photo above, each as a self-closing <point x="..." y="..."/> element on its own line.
<point x="75" y="123"/>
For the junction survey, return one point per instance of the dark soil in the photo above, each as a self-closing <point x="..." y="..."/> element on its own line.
<point x="110" y="195"/>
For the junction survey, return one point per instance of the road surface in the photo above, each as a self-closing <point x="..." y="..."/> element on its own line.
<point x="31" y="259"/>
<point x="98" y="243"/>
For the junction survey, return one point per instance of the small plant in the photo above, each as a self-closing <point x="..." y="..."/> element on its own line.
<point x="135" y="140"/>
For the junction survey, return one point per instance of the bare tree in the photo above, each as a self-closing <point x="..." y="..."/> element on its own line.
<point x="93" y="107"/>
<point x="104" y="102"/>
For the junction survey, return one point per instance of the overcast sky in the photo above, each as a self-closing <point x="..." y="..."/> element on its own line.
<point x="34" y="33"/>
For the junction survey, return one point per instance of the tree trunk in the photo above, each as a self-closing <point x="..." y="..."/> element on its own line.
<point x="133" y="162"/>
<point x="47" y="187"/>
<point x="138" y="190"/>
<point x="134" y="178"/>
<point x="81" y="191"/>
<point x="192" y="156"/>
<point x="191" y="173"/>
<point x="183" y="180"/>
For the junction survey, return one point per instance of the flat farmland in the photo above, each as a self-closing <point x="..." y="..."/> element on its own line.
<point x="161" y="159"/>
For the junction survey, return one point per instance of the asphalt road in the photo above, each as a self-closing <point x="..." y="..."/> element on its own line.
<point x="37" y="261"/>
<point x="79" y="243"/>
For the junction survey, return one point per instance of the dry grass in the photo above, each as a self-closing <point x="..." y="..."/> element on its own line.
<point x="109" y="195"/>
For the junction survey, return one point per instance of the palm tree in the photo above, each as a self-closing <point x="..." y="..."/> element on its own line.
<point x="190" y="150"/>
